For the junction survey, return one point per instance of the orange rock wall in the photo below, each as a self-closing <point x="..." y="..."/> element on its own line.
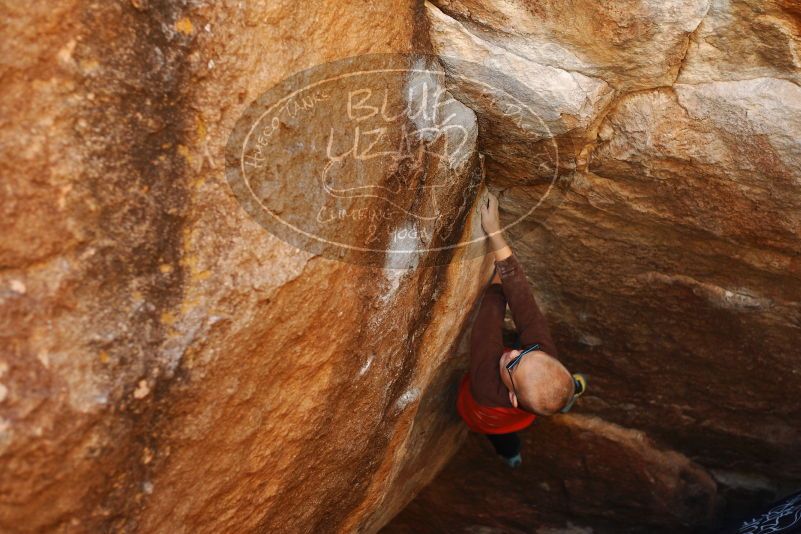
<point x="167" y="365"/>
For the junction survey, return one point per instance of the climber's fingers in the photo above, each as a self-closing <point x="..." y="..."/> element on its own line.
<point x="491" y="206"/>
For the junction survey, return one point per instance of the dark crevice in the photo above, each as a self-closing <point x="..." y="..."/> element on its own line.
<point x="130" y="130"/>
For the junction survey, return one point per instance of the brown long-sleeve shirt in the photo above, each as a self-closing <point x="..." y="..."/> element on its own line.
<point x="486" y="341"/>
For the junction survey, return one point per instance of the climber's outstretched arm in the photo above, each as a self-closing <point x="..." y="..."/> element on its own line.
<point x="486" y="346"/>
<point x="529" y="320"/>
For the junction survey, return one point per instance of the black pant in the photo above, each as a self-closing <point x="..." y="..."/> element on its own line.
<point x="507" y="445"/>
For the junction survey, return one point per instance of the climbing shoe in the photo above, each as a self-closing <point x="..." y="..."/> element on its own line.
<point x="580" y="384"/>
<point x="514" y="461"/>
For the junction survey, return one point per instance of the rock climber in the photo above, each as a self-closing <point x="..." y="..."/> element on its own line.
<point x="507" y="388"/>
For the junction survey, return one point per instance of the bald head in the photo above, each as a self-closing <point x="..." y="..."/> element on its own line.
<point x="542" y="384"/>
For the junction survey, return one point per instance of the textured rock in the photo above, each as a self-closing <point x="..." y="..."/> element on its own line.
<point x="628" y="45"/>
<point x="569" y="461"/>
<point x="169" y="366"/>
<point x="745" y="39"/>
<point x="564" y="99"/>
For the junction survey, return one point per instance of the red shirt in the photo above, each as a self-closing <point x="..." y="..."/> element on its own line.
<point x="489" y="419"/>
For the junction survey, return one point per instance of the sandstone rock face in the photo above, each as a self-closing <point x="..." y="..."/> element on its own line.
<point x="170" y="366"/>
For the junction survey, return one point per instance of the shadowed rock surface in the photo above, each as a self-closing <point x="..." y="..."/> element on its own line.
<point x="570" y="462"/>
<point x="669" y="272"/>
<point x="170" y="366"/>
